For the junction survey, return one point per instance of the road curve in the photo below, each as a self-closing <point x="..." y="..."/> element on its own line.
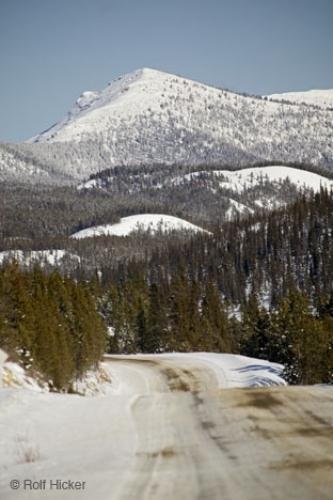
<point x="170" y="428"/>
<point x="197" y="441"/>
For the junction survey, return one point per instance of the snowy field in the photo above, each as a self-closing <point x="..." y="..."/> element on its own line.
<point x="165" y="427"/>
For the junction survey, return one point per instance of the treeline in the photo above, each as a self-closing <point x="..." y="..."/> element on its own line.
<point x="292" y="334"/>
<point x="176" y="316"/>
<point x="50" y="325"/>
<point x="186" y="315"/>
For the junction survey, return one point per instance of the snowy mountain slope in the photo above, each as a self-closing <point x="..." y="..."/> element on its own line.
<point x="19" y="163"/>
<point x="321" y="98"/>
<point x="143" y="222"/>
<point x="150" y="117"/>
<point x="14" y="167"/>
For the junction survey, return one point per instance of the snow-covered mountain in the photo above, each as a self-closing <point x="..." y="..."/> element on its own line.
<point x="149" y="117"/>
<point x="321" y="98"/>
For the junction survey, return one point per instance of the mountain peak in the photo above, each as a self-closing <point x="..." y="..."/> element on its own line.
<point x="150" y="71"/>
<point x="139" y="73"/>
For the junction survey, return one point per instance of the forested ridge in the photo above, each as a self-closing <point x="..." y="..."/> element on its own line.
<point x="264" y="254"/>
<point x="194" y="193"/>
<point x="260" y="287"/>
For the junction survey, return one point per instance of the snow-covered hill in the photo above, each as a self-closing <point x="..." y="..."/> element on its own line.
<point x="215" y="192"/>
<point x="143" y="222"/>
<point x="241" y="180"/>
<point x="321" y="98"/>
<point x="258" y="187"/>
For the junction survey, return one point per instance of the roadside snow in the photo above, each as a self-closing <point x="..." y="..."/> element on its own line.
<point x="233" y="370"/>
<point x="13" y="376"/>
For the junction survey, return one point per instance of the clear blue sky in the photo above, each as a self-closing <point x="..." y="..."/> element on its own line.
<point x="52" y="50"/>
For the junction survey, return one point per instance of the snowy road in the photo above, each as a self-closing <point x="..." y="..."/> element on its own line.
<point x="169" y="429"/>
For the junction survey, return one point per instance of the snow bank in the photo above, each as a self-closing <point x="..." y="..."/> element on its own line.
<point x="233" y="370"/>
<point x="3" y="357"/>
<point x="13" y="376"/>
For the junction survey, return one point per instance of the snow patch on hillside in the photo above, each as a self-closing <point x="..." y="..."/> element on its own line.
<point x="240" y="180"/>
<point x="141" y="222"/>
<point x="237" y="208"/>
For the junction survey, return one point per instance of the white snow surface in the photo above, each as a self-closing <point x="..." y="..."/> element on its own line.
<point x="143" y="222"/>
<point x="318" y="97"/>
